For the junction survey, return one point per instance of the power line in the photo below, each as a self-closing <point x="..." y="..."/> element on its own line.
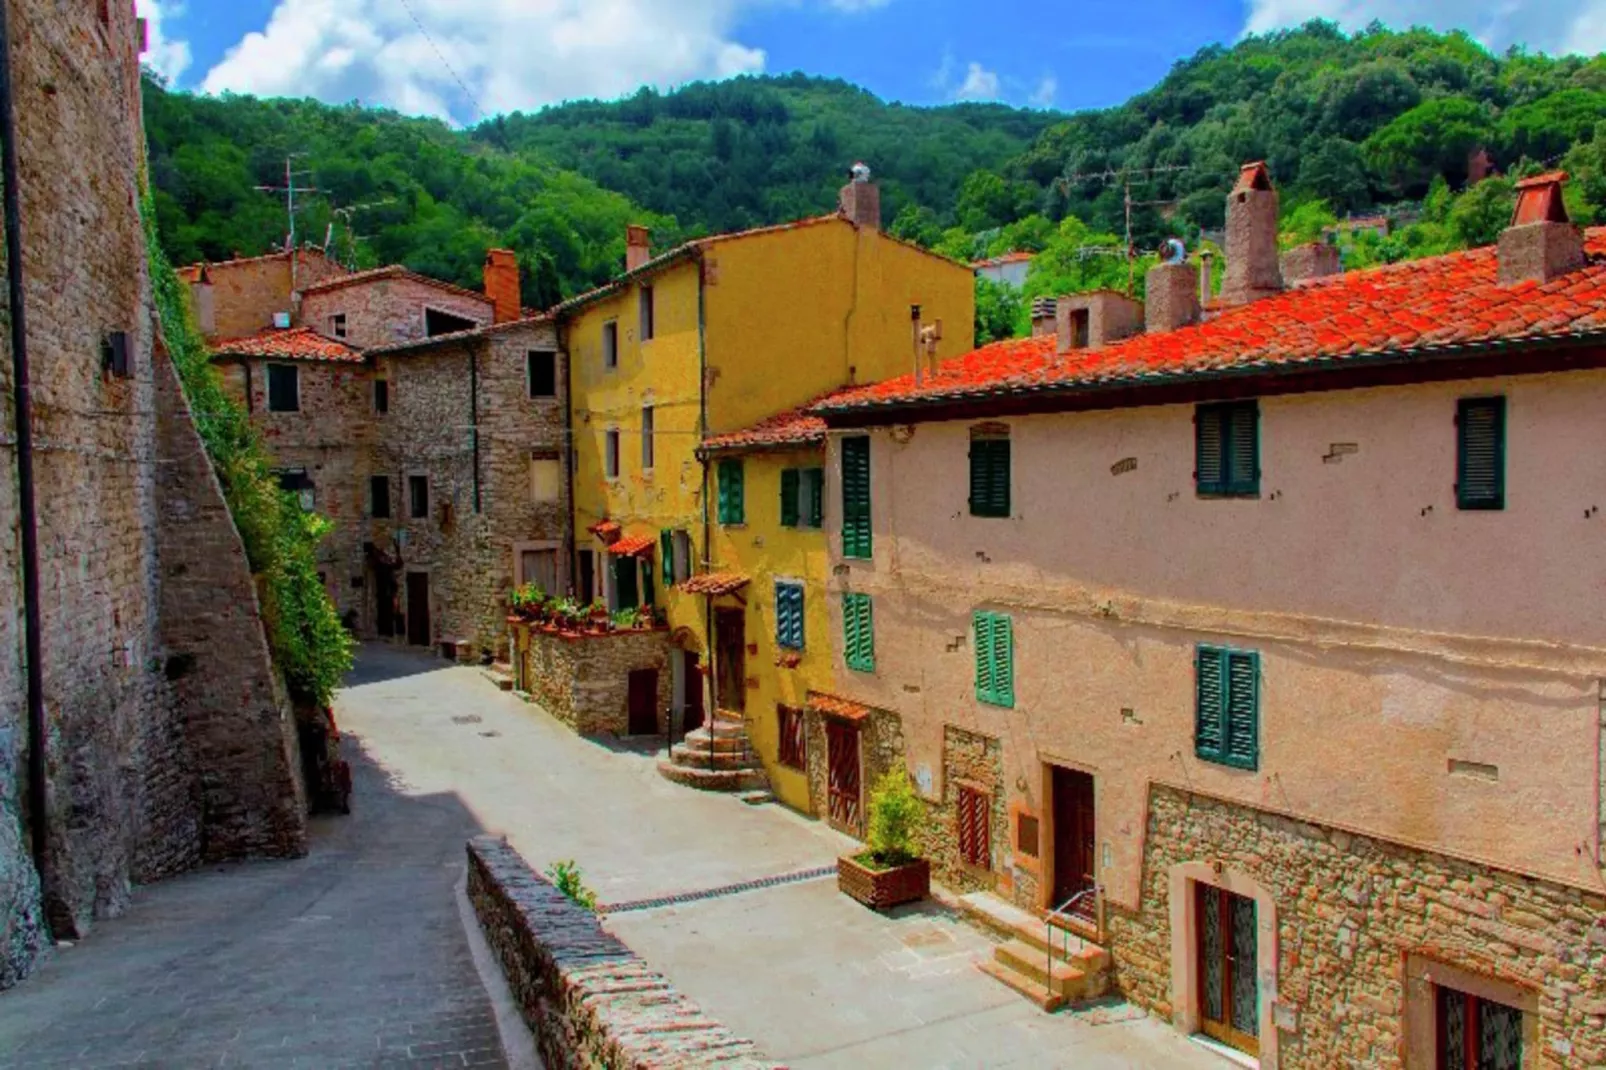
<point x="478" y="111"/>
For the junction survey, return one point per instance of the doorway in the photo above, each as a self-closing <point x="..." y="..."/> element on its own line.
<point x="842" y="775"/>
<point x="385" y="602"/>
<point x="418" y="629"/>
<point x="1075" y="842"/>
<point x="692" y="696"/>
<point x="1229" y="991"/>
<point x="730" y="647"/>
<point x="642" y="718"/>
<point x="588" y="577"/>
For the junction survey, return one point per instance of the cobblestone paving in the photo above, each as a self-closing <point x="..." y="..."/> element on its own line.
<point x="352" y="957"/>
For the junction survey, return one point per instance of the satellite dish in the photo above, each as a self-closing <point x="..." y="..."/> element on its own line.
<point x="1173" y="251"/>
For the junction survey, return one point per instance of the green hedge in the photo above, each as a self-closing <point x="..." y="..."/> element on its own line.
<point x="309" y="644"/>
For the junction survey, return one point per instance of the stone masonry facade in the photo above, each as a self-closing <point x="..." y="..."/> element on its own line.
<point x="584" y="681"/>
<point x="970" y="760"/>
<point x="126" y="744"/>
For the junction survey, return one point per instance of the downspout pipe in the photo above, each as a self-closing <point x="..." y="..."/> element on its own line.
<point x="712" y="713"/>
<point x="474" y="415"/>
<point x="38" y="789"/>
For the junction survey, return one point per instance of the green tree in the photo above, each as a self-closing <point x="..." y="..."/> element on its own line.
<point x="1304" y="223"/>
<point x="1549" y="126"/>
<point x="1482" y="212"/>
<point x="1434" y="138"/>
<point x="999" y="311"/>
<point x="917" y="223"/>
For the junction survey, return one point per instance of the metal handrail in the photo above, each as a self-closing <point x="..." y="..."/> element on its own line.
<point x="1065" y="943"/>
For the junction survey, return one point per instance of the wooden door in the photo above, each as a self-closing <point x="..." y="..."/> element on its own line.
<point x="643" y="702"/>
<point x="1075" y="840"/>
<point x="385" y="601"/>
<point x="692" y="718"/>
<point x="418" y="629"/>
<point x="1475" y="1033"/>
<point x="588" y="577"/>
<point x="1229" y="991"/>
<point x="842" y="775"/>
<point x="730" y="645"/>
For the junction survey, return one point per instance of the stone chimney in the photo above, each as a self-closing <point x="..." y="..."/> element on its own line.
<point x="203" y="303"/>
<point x="1094" y="320"/>
<point x="1541" y="242"/>
<point x="861" y="199"/>
<point x="1207" y="278"/>
<point x="1252" y="268"/>
<point x="638" y="246"/>
<point x="1313" y="260"/>
<point x="502" y="284"/>
<point x="1173" y="297"/>
<point x="1043" y="316"/>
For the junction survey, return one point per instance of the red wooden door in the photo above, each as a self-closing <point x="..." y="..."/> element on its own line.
<point x="730" y="648"/>
<point x="1075" y="840"/>
<point x="1476" y="1034"/>
<point x="842" y="775"/>
<point x="693" y="717"/>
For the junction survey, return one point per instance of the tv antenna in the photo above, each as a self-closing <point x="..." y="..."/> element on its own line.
<point x="352" y="236"/>
<point x="1125" y="176"/>
<point x="289" y="190"/>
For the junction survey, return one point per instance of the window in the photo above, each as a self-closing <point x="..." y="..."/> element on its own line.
<point x="802" y="497"/>
<point x="646" y="438"/>
<point x="379" y="497"/>
<point x="381" y="396"/>
<point x="610" y="454"/>
<point x="682" y="556"/>
<point x="995" y="658"/>
<point x="539" y="567"/>
<point x="794" y="746"/>
<point x="858" y="632"/>
<point x="1480" y="454"/>
<point x="975" y="844"/>
<point x="541" y="373"/>
<point x="1227" y="449"/>
<point x="610" y="344"/>
<point x="1027" y="833"/>
<point x="297" y="482"/>
<point x="546" y="478"/>
<point x="647" y="325"/>
<point x="418" y="496"/>
<point x="789" y="615"/>
<point x="437" y="323"/>
<point x="284" y="388"/>
<point x="1227" y="711"/>
<point x="1474" y="1033"/>
<point x="856" y="540"/>
<point x="1080" y="327"/>
<point x="337" y="325"/>
<point x="732" y="504"/>
<point x="989" y="473"/>
<point x="626" y="587"/>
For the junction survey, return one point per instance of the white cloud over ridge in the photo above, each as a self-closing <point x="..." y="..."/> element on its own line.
<point x="979" y="84"/>
<point x="1554" y="26"/>
<point x="167" y="57"/>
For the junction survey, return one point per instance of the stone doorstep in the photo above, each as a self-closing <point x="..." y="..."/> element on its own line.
<point x="712" y="779"/>
<point x="699" y="740"/>
<point x="1036" y="993"/>
<point x="1080" y="970"/>
<point x="1062" y="977"/>
<point x="700" y="758"/>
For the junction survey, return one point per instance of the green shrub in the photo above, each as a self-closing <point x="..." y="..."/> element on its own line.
<point x="566" y="876"/>
<point x="896" y="817"/>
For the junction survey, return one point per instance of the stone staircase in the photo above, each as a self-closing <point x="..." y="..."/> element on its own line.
<point x="499" y="673"/>
<point x="1050" y="967"/>
<point x="717" y="757"/>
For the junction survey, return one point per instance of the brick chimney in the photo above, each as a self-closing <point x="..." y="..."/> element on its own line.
<point x="1043" y="316"/>
<point x="1094" y="320"/>
<point x="861" y="199"/>
<point x="1252" y="268"/>
<point x="1173" y="297"/>
<point x="502" y="284"/>
<point x="1542" y="241"/>
<point x="638" y="246"/>
<point x="1313" y="260"/>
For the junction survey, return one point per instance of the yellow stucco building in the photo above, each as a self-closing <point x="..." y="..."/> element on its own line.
<point x="712" y="337"/>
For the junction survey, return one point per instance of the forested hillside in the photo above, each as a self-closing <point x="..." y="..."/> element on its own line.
<point x="1349" y="123"/>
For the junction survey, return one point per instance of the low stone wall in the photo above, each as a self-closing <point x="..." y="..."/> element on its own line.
<point x="589" y="999"/>
<point x="584" y="680"/>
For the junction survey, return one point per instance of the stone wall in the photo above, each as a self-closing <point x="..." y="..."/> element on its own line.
<point x="1351" y="913"/>
<point x="972" y="760"/>
<point x="384" y="310"/>
<point x="590" y="1001"/>
<point x="880" y="750"/>
<point x="243" y="295"/>
<point x="584" y="681"/>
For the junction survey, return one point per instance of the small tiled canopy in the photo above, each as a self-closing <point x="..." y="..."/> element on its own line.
<point x="833" y="706"/>
<point x="634" y="546"/>
<point x="715" y="583"/>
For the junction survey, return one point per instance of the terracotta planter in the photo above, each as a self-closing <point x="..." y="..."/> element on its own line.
<point x="883" y="888"/>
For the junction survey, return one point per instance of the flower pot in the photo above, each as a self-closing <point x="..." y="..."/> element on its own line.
<point x="883" y="888"/>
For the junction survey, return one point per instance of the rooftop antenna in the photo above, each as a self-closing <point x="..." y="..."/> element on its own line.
<point x="353" y="237"/>
<point x="290" y="189"/>
<point x="1125" y="176"/>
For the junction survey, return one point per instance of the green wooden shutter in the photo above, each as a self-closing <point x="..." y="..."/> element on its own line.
<point x="789" y="484"/>
<point x="1209" y="733"/>
<point x="666" y="547"/>
<point x="815" y="485"/>
<point x="989" y="477"/>
<point x="1208" y="451"/>
<point x="731" y="493"/>
<point x="858" y="629"/>
<point x="1227" y="448"/>
<point x="983" y="625"/>
<point x="1003" y="654"/>
<point x="856" y="538"/>
<point x="624" y="576"/>
<point x="1480" y="468"/>
<point x="1242" y="744"/>
<point x="1243" y="449"/>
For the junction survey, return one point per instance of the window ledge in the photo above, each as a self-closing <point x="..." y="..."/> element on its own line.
<point x="1206" y="495"/>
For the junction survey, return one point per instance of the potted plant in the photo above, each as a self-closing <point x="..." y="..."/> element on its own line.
<point x="890" y="870"/>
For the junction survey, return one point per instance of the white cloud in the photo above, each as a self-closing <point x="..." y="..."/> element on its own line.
<point x="979" y="84"/>
<point x="1043" y="95"/>
<point x="1543" y="25"/>
<point x="166" y="57"/>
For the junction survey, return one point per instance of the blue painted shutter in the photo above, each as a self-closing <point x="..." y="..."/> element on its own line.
<point x="1209" y="732"/>
<point x="731" y="505"/>
<point x="1480" y="459"/>
<point x="789" y="484"/>
<point x="856" y="540"/>
<point x="1242" y="747"/>
<point x="789" y="616"/>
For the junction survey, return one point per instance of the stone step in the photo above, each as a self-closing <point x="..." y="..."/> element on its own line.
<point x="717" y="744"/>
<point x="757" y="797"/>
<point x="720" y="729"/>
<point x="1056" y="974"/>
<point x="1010" y="922"/>
<point x="499" y="674"/>
<point x="1039" y="995"/>
<point x="712" y="779"/>
<point x="700" y="758"/>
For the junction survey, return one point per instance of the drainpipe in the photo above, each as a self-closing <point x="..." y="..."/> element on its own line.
<point x="572" y="550"/>
<point x="712" y="712"/>
<point x="38" y="790"/>
<point x="474" y="415"/>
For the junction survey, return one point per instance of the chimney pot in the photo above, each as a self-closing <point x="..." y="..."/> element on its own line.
<point x="1043" y="316"/>
<point x="860" y="200"/>
<point x="1542" y="242"/>
<point x="1252" y="266"/>
<point x="1314" y="260"/>
<point x="1173" y="297"/>
<point x="638" y="246"/>
<point x="502" y="285"/>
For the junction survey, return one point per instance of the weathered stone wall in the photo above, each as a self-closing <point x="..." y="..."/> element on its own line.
<point x="1349" y="911"/>
<point x="590" y="1001"/>
<point x="972" y="760"/>
<point x="386" y="310"/>
<point x="584" y="681"/>
<point x="880" y="750"/>
<point x="244" y="295"/>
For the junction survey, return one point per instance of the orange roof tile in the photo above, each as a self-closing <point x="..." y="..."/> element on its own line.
<point x="833" y="706"/>
<point x="795" y="427"/>
<point x="1445" y="303"/>
<point x="999" y="261"/>
<point x="715" y="583"/>
<point x="392" y="271"/>
<point x="297" y="343"/>
<point x="604" y="529"/>
<point x="634" y="545"/>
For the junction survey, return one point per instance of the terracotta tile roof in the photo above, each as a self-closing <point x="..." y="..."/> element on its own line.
<point x="393" y="271"/>
<point x="1448" y="304"/>
<point x="795" y="427"/>
<point x="1000" y="261"/>
<point x="833" y="706"/>
<point x="715" y="583"/>
<point x="193" y="272"/>
<point x="297" y="343"/>
<point x="605" y="529"/>
<point x="530" y="320"/>
<point x="634" y="546"/>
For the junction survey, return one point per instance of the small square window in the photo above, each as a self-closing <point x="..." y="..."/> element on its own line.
<point x="284" y="388"/>
<point x="610" y="344"/>
<point x="381" y="396"/>
<point x="541" y="373"/>
<point x="337" y="325"/>
<point x="793" y="741"/>
<point x="1027" y="832"/>
<point x="418" y="496"/>
<point x="610" y="458"/>
<point x="975" y="841"/>
<point x="1227" y="450"/>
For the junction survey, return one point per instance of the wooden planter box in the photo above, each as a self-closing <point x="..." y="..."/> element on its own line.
<point x="879" y="889"/>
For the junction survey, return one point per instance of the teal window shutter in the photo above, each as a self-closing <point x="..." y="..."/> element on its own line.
<point x="995" y="658"/>
<point x="982" y="624"/>
<point x="789" y="485"/>
<point x="624" y="576"/>
<point x="789" y="615"/>
<point x="814" y="487"/>
<point x="989" y="476"/>
<point x="1227" y="707"/>
<point x="858" y="629"/>
<point x="732" y="506"/>
<point x="1480" y="455"/>
<point x="856" y="538"/>
<point x="1210" y="699"/>
<point x="666" y="547"/>
<point x="1227" y="449"/>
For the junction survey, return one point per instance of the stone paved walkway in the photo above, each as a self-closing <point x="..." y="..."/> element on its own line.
<point x="354" y="956"/>
<point x="815" y="979"/>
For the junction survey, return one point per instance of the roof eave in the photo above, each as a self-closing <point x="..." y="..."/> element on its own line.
<point x="689" y="251"/>
<point x="727" y="449"/>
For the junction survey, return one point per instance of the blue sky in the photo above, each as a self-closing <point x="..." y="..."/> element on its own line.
<point x="485" y="56"/>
